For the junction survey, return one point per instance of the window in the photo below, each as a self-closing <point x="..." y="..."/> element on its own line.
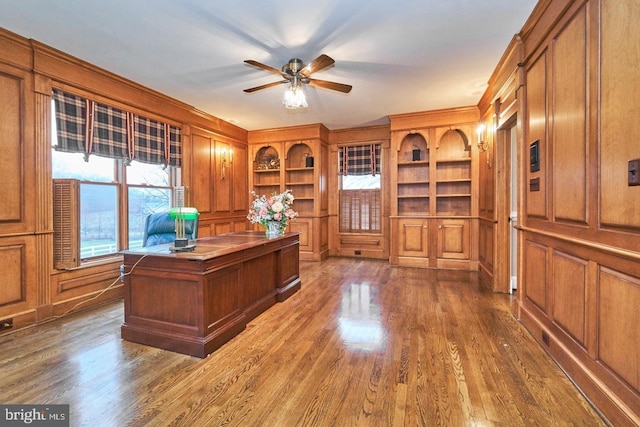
<point x="360" y="195"/>
<point x="112" y="182"/>
<point x="148" y="190"/>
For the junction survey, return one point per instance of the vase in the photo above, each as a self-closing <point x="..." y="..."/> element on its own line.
<point x="273" y="229"/>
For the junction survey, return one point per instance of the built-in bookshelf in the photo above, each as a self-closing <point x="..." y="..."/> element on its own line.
<point x="299" y="177"/>
<point x="431" y="216"/>
<point x="296" y="159"/>
<point x="453" y="175"/>
<point x="453" y="186"/>
<point x="266" y="171"/>
<point x="413" y="191"/>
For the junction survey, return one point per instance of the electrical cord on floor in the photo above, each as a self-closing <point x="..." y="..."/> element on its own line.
<point x="120" y="278"/>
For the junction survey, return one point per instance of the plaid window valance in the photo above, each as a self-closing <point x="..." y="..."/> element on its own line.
<point x="109" y="137"/>
<point x="175" y="151"/>
<point x="359" y="159"/>
<point x="86" y="126"/>
<point x="71" y="121"/>
<point x="148" y="136"/>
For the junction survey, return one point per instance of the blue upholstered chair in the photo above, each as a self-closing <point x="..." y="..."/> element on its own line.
<point x="161" y="228"/>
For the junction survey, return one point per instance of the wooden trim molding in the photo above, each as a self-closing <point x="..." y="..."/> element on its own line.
<point x="634" y="256"/>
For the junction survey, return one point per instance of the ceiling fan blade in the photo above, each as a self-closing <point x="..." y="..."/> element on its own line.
<point x="320" y="63"/>
<point x="265" y="67"/>
<point x="268" y="85"/>
<point x="330" y="85"/>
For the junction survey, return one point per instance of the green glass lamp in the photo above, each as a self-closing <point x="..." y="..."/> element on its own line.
<point x="181" y="215"/>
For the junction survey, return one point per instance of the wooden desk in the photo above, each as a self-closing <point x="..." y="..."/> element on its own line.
<point x="194" y="302"/>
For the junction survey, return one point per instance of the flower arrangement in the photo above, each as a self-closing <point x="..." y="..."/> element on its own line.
<point x="276" y="208"/>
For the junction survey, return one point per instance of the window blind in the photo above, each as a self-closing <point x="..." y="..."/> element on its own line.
<point x="360" y="211"/>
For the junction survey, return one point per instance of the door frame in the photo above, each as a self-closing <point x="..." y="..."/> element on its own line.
<point x="502" y="243"/>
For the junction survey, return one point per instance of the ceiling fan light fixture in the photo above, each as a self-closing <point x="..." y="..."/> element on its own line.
<point x="296" y="74"/>
<point x="294" y="97"/>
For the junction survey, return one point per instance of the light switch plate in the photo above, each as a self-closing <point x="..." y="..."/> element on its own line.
<point x="634" y="172"/>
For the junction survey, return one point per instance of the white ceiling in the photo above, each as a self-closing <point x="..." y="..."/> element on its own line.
<point x="399" y="56"/>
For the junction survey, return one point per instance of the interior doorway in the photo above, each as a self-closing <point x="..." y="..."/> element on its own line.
<point x="513" y="215"/>
<point x="506" y="236"/>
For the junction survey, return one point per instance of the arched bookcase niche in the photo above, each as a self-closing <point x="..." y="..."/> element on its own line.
<point x="267" y="158"/>
<point x="414" y="147"/>
<point x="454" y="143"/>
<point x="453" y="174"/>
<point x="266" y="171"/>
<point x="413" y="175"/>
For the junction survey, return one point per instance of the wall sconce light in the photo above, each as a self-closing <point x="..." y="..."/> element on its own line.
<point x="482" y="145"/>
<point x="223" y="160"/>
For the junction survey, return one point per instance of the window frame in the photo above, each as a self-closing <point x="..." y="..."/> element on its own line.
<point x="122" y="200"/>
<point x="173" y="176"/>
<point x="364" y="195"/>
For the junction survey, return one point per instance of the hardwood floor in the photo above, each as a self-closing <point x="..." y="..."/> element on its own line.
<point x="362" y="343"/>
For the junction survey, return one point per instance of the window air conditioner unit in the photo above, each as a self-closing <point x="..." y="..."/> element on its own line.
<point x="66" y="223"/>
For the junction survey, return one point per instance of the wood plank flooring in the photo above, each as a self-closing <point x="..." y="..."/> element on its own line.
<point x="362" y="344"/>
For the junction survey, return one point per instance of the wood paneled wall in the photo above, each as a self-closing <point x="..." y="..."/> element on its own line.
<point x="217" y="167"/>
<point x="32" y="290"/>
<point x="567" y="80"/>
<point x="579" y="226"/>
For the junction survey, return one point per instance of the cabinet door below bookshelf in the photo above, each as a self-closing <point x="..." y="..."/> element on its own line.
<point x="453" y="238"/>
<point x="413" y="237"/>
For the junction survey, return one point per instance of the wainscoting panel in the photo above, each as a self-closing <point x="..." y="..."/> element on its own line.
<point x="485" y="252"/>
<point x="618" y="331"/>
<point x="536" y="273"/>
<point x="570" y="294"/>
<point x="13" y="287"/>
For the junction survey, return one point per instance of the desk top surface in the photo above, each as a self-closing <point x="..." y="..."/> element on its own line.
<point x="210" y="247"/>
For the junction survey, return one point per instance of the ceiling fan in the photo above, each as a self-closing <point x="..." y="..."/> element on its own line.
<point x="295" y="72"/>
